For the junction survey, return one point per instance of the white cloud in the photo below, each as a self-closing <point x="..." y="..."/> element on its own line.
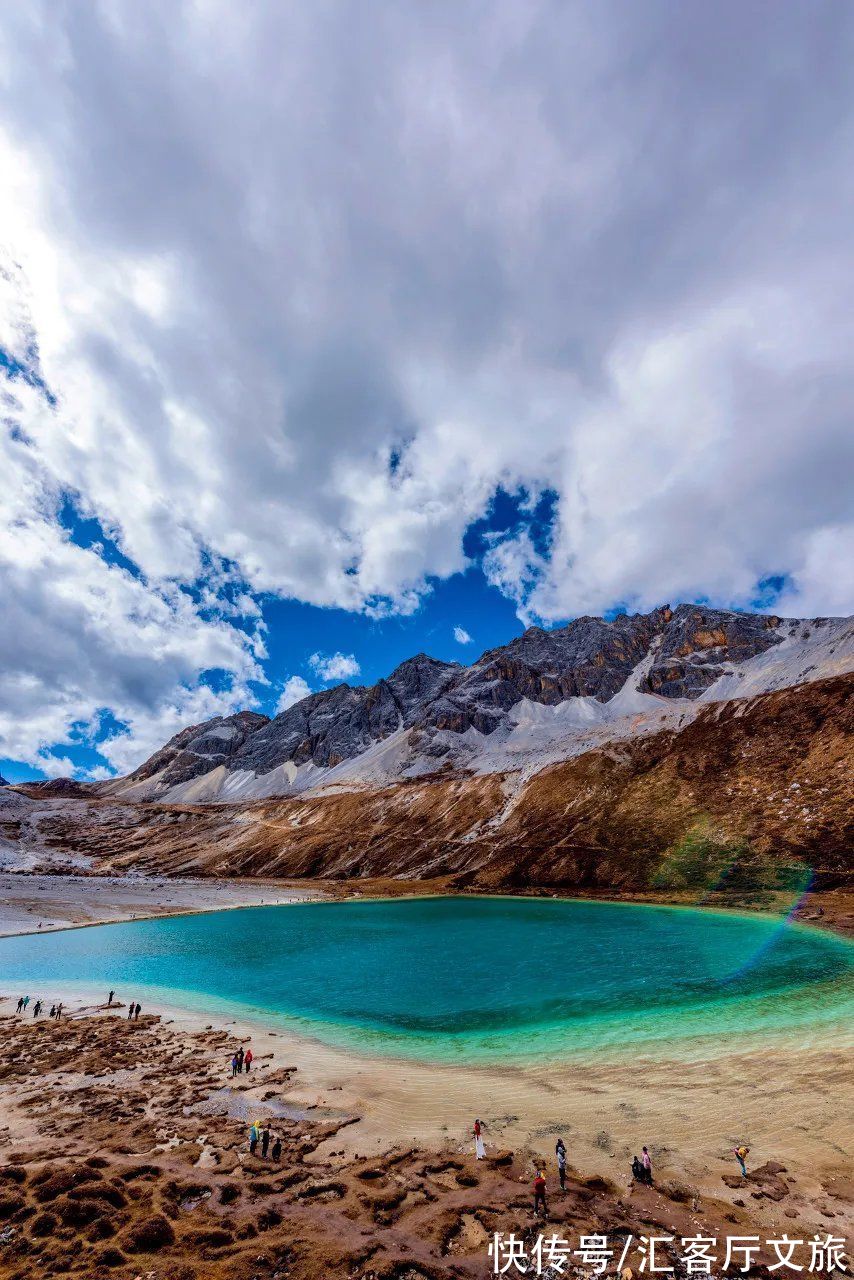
<point x="294" y="690"/>
<point x="299" y="361"/>
<point x="334" y="666"/>
<point x="99" y="773"/>
<point x="462" y="636"/>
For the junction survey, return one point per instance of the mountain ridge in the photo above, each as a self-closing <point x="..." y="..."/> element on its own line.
<point x="554" y="692"/>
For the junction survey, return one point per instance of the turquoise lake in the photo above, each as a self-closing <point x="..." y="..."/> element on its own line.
<point x="471" y="979"/>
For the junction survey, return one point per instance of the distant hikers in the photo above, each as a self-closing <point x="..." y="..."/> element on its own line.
<point x="234" y="1065"/>
<point x="254" y="1135"/>
<point x="26" y="1002"/>
<point x="37" y="1008"/>
<point x="137" y="1012"/>
<point x="240" y="1060"/>
<point x="277" y="1149"/>
<point x="247" y="1061"/>
<point x="52" y="1013"/>
<point x="540" y="1194"/>
<point x="59" y="1011"/>
<point x="131" y="1008"/>
<point x="110" y="998"/>
<point x="20" y="1004"/>
<point x="479" y="1149"/>
<point x="265" y="1140"/>
<point x="560" y="1152"/>
<point x="741" y="1154"/>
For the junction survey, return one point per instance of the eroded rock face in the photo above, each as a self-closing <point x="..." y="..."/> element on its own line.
<point x="199" y="748"/>
<point x="688" y="648"/>
<point x="697" y="643"/>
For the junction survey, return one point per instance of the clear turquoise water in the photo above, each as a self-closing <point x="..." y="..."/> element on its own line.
<point x="472" y="979"/>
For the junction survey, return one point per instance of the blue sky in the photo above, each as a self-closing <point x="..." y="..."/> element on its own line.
<point x="397" y="319"/>
<point x="296" y="631"/>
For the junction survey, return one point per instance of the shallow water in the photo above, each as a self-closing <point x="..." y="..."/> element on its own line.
<point x="471" y="979"/>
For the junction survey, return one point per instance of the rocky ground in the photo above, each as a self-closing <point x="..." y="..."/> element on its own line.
<point x="123" y="1153"/>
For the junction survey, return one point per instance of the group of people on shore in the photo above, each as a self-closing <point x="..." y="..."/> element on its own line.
<point x="641" y="1167"/>
<point x="241" y="1062"/>
<point x="23" y="1004"/>
<point x="134" y="1008"/>
<point x="262" y="1135"/>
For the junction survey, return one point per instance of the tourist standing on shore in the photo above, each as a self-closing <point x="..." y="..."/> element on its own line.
<point x="277" y="1149"/>
<point x="52" y="1013"/>
<point x="20" y="1004"/>
<point x="560" y="1152"/>
<point x="26" y="1002"/>
<point x="253" y="1137"/>
<point x="131" y="1007"/>
<point x="240" y="1060"/>
<point x="479" y="1149"/>
<point x="110" y="998"/>
<point x="59" y="1011"/>
<point x="540" y="1194"/>
<point x="247" y="1061"/>
<point x="647" y="1166"/>
<point x="37" y="1008"/>
<point x="138" y="1012"/>
<point x="741" y="1154"/>
<point x="233" y="1065"/>
<point x="265" y="1140"/>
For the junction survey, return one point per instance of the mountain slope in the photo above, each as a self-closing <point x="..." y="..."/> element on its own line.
<point x="545" y="696"/>
<point x="749" y="792"/>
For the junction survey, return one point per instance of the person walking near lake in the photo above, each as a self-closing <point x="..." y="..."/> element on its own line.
<point x="647" y="1166"/>
<point x="37" y="1008"/>
<point x="240" y="1060"/>
<point x="52" y="1013"/>
<point x="59" y="1011"/>
<point x="131" y="1008"/>
<point x="560" y="1152"/>
<point x="540" y="1194"/>
<point x="741" y="1154"/>
<point x="247" y="1061"/>
<point x="138" y="1012"/>
<point x="265" y="1140"/>
<point x="20" y="1004"/>
<point x="26" y="1002"/>
<point x="110" y="998"/>
<point x="479" y="1149"/>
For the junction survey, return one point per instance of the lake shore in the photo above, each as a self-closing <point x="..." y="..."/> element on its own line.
<point x="44" y="903"/>
<point x="123" y="1147"/>
<point x="32" y="902"/>
<point x="789" y="1099"/>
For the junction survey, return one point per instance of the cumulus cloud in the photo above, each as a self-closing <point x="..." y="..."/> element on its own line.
<point x="294" y="690"/>
<point x="334" y="666"/>
<point x="358" y="269"/>
<point x="462" y="636"/>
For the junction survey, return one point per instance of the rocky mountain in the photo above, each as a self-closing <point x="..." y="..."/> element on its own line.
<point x="545" y="696"/>
<point x="749" y="794"/>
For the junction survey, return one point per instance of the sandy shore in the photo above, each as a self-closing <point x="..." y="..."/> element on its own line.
<point x="790" y="1103"/>
<point x="123" y="1151"/>
<point x="29" y="903"/>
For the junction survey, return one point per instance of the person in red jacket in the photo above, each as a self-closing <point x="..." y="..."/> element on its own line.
<point x="247" y="1061"/>
<point x="540" y="1193"/>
